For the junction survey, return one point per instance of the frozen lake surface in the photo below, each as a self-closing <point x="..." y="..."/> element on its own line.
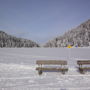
<point x="17" y="69"/>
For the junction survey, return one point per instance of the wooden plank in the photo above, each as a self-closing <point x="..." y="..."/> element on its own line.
<point x="83" y="62"/>
<point x="85" y="68"/>
<point x="51" y="69"/>
<point x="57" y="62"/>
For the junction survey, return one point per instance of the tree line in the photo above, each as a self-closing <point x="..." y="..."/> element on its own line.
<point x="11" y="41"/>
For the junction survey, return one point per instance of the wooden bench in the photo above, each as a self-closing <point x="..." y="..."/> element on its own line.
<point x="81" y="64"/>
<point x="62" y="67"/>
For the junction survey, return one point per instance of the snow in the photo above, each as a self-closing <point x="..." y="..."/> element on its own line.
<point x="17" y="69"/>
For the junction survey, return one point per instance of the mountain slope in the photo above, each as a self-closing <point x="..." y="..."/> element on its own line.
<point x="11" y="41"/>
<point x="79" y="36"/>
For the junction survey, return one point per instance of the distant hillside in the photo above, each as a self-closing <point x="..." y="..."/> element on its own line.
<point x="79" y="36"/>
<point x="11" y="41"/>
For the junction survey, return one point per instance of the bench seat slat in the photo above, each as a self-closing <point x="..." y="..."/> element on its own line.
<point x="51" y="69"/>
<point x="85" y="68"/>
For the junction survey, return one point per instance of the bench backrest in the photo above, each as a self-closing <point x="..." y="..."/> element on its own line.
<point x="83" y="62"/>
<point x="47" y="62"/>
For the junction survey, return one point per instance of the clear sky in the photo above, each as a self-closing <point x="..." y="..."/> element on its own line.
<point x="42" y="20"/>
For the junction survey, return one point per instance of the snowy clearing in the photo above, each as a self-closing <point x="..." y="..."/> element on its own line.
<point x="17" y="69"/>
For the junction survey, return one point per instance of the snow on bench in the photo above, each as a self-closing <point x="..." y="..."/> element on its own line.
<point x="40" y="69"/>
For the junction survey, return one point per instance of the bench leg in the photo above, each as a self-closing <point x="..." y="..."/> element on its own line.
<point x="63" y="71"/>
<point x="81" y="71"/>
<point x="40" y="72"/>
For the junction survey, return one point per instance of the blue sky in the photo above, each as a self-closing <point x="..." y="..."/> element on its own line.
<point x="42" y="20"/>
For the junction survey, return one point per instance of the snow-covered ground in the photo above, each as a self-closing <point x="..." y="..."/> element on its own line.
<point x="17" y="69"/>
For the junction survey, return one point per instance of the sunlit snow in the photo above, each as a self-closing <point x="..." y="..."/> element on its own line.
<point x="17" y="69"/>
